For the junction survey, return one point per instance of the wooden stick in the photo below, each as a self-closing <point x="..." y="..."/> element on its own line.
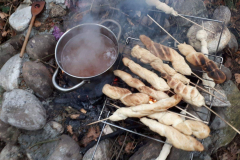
<point x="208" y="86"/>
<point x="222" y="119"/>
<point x="27" y="36"/>
<point x="195" y="23"/>
<point x="208" y="92"/>
<point x="115" y="105"/>
<point x="187" y="112"/>
<point x="97" y="121"/>
<point x="189" y="117"/>
<point x="163" y="28"/>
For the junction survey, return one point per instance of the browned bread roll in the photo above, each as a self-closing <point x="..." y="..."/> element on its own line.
<point x="125" y="96"/>
<point x="167" y="54"/>
<point x="174" y="137"/>
<point x="199" y="59"/>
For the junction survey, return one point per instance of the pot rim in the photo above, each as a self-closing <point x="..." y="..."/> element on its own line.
<point x="95" y="24"/>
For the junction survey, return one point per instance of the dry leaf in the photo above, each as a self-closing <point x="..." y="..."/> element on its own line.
<point x="69" y="129"/>
<point x="75" y="138"/>
<point x="37" y="23"/>
<point x="92" y="134"/>
<point x="83" y="111"/>
<point x="237" y="60"/>
<point x="129" y="147"/>
<point x="4" y="33"/>
<point x="228" y="62"/>
<point x="74" y="116"/>
<point x="237" y="77"/>
<point x="130" y="22"/>
<point x="3" y="15"/>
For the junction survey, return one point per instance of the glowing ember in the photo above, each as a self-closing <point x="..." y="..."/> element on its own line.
<point x="62" y="71"/>
<point x="151" y="100"/>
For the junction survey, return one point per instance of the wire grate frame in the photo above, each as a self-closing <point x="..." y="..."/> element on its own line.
<point x="130" y="42"/>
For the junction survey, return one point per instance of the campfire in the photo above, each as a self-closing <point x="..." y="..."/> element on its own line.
<point x="113" y="80"/>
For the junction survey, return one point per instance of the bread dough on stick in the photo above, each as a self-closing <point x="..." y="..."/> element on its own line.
<point x="151" y="77"/>
<point x="125" y="96"/>
<point x="162" y="6"/>
<point x="139" y="85"/>
<point x="167" y="54"/>
<point x="176" y="138"/>
<point x="146" y="56"/>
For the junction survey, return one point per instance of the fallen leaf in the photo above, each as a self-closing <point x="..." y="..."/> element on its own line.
<point x="37" y="23"/>
<point x="4" y="33"/>
<point x="69" y="129"/>
<point x="83" y="111"/>
<point x="75" y="138"/>
<point x="228" y="62"/>
<point x="74" y="116"/>
<point x="237" y="77"/>
<point x="129" y="147"/>
<point x="92" y="134"/>
<point x="2" y="24"/>
<point x="130" y="22"/>
<point x="238" y="60"/>
<point x="3" y="15"/>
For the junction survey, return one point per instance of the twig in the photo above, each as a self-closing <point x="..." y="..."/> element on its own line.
<point x="187" y="112"/>
<point x="195" y="23"/>
<point x="92" y="5"/>
<point x="47" y="141"/>
<point x="8" y="18"/>
<point x="222" y="119"/>
<point x="163" y="28"/>
<point x="122" y="146"/>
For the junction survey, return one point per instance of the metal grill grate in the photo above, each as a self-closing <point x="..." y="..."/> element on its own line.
<point x="130" y="42"/>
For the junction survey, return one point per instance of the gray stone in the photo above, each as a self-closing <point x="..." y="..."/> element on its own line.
<point x="9" y="73"/>
<point x="147" y="152"/>
<point x="57" y="11"/>
<point x="20" y="19"/>
<point x="222" y="13"/>
<point x="38" y="78"/>
<point x="8" y="133"/>
<point x="50" y="132"/>
<point x="176" y="154"/>
<point x="60" y="2"/>
<point x="216" y="102"/>
<point x="1" y="95"/>
<point x="22" y="110"/>
<point x="189" y="7"/>
<point x="227" y="72"/>
<point x="10" y="48"/>
<point x="223" y="136"/>
<point x="217" y="123"/>
<point x="102" y="152"/>
<point x="10" y="152"/>
<point x="233" y="43"/>
<point x="200" y="112"/>
<point x="41" y="46"/>
<point x="212" y="39"/>
<point x="67" y="149"/>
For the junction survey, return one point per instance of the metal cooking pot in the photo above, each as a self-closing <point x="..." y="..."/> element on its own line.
<point x="70" y="34"/>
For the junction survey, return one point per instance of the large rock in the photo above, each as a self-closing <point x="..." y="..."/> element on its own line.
<point x="222" y="13"/>
<point x="22" y="110"/>
<point x="10" y="48"/>
<point x="179" y="154"/>
<point x="67" y="149"/>
<point x="216" y="102"/>
<point x="227" y="72"/>
<point x="212" y="39"/>
<point x="38" y="78"/>
<point x="224" y="134"/>
<point x="20" y="19"/>
<point x="28" y="140"/>
<point x="41" y="46"/>
<point x="10" y="152"/>
<point x="57" y="11"/>
<point x="189" y="7"/>
<point x="150" y="151"/>
<point x="9" y="74"/>
<point x="102" y="152"/>
<point x="8" y="133"/>
<point x="233" y="43"/>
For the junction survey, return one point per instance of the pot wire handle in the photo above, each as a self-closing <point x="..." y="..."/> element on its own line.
<point x="115" y="22"/>
<point x="64" y="89"/>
